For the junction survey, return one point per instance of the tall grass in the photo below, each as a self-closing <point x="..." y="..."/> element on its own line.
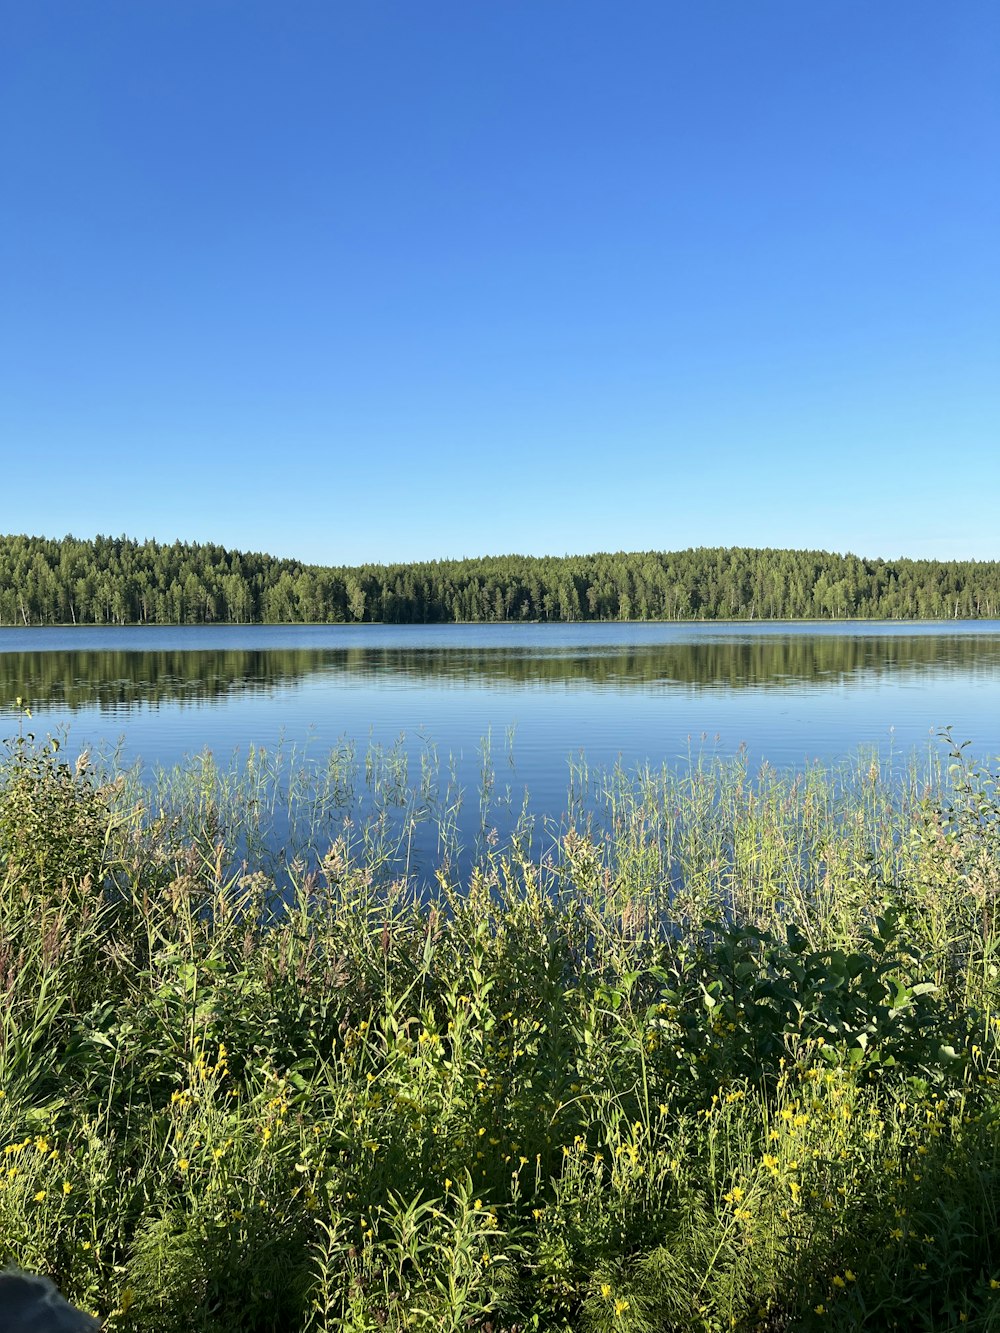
<point x="716" y="1050"/>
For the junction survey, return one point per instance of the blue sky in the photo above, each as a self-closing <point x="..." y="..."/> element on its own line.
<point x="387" y="280"/>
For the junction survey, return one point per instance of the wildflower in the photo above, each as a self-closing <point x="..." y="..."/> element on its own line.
<point x="820" y="1309"/>
<point x="838" y="1281"/>
<point x="183" y="1164"/>
<point x="67" y="1187"/>
<point x="39" y="1196"/>
<point x="621" y="1306"/>
<point x="606" y="1289"/>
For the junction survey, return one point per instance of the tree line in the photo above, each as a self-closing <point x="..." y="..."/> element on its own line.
<point x="120" y="581"/>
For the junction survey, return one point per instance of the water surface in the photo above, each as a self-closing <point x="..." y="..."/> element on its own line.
<point x="537" y="696"/>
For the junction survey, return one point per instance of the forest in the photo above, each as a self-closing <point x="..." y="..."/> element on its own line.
<point x="121" y="581"/>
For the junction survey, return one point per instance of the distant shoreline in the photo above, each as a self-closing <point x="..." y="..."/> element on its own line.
<point x="118" y="581"/>
<point x="501" y="624"/>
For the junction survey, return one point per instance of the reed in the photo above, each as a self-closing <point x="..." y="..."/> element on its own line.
<point x="711" y="1050"/>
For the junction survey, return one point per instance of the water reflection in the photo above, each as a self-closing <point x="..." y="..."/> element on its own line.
<point x="116" y="680"/>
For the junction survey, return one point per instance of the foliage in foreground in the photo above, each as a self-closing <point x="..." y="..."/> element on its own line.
<point x="727" y="1059"/>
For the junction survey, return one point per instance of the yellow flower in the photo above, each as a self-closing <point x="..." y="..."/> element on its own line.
<point x="621" y="1306"/>
<point x="605" y="1289"/>
<point x="183" y="1164"/>
<point x="819" y="1309"/>
<point x="39" y="1196"/>
<point x="67" y="1187"/>
<point x="838" y="1281"/>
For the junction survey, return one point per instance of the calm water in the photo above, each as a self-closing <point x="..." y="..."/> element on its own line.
<point x="543" y="694"/>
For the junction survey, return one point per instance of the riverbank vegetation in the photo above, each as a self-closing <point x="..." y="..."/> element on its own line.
<point x="716" y="1051"/>
<point x="118" y="581"/>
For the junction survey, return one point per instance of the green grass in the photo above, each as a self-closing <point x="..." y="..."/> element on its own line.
<point x="724" y="1057"/>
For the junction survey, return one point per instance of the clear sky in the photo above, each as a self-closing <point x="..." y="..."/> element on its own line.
<point x="391" y="279"/>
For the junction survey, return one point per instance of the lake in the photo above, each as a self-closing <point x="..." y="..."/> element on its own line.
<point x="523" y="700"/>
